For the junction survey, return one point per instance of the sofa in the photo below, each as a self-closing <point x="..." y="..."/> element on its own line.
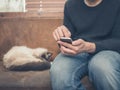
<point x="32" y="32"/>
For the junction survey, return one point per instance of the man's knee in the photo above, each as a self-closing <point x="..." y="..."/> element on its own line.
<point x="104" y="62"/>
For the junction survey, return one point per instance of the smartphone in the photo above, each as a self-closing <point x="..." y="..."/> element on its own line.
<point x="66" y="39"/>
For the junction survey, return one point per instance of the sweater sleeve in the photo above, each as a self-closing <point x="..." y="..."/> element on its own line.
<point x="113" y="42"/>
<point x="67" y="21"/>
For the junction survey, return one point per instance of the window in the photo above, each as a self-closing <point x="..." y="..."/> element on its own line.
<point x="45" y="8"/>
<point x="12" y="5"/>
<point x="40" y="8"/>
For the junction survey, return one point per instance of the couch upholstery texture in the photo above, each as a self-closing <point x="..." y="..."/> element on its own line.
<point x="31" y="32"/>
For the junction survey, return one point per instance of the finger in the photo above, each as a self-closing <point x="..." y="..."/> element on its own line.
<point x="57" y="34"/>
<point x="67" y="51"/>
<point x="75" y="49"/>
<point x="66" y="31"/>
<point x="70" y="46"/>
<point x="62" y="50"/>
<point x="64" y="44"/>
<point x="55" y="37"/>
<point x="60" y="32"/>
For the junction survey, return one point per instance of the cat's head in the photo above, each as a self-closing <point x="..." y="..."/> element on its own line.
<point x="47" y="56"/>
<point x="42" y="53"/>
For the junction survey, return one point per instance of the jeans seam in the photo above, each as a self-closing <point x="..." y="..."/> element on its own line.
<point x="73" y="75"/>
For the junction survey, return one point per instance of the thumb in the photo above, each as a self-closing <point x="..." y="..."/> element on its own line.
<point x="77" y="42"/>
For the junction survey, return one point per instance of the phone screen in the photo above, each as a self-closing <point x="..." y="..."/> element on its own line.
<point x="64" y="39"/>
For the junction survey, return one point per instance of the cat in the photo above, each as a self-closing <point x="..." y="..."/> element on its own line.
<point x="23" y="58"/>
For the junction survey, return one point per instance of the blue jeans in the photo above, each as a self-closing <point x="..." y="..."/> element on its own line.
<point x="103" y="70"/>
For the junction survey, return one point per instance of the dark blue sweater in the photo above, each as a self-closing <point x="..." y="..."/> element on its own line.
<point x="100" y="24"/>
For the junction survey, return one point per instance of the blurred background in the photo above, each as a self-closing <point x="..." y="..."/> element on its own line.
<point x="33" y="7"/>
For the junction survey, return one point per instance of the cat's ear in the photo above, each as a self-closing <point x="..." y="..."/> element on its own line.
<point x="47" y="56"/>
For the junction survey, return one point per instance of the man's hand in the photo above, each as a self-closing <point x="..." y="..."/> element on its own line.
<point x="77" y="46"/>
<point x="61" y="31"/>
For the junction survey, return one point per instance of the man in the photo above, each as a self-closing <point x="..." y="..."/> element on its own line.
<point x="94" y="26"/>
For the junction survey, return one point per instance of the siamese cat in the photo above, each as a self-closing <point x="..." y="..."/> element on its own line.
<point x="23" y="58"/>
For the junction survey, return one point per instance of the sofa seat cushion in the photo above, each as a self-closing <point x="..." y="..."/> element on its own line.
<point x="28" y="80"/>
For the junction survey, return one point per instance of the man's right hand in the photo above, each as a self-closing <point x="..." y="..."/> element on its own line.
<point x="61" y="31"/>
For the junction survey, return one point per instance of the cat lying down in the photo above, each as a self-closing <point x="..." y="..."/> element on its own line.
<point x="23" y="58"/>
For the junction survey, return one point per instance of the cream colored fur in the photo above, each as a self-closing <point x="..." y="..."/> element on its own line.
<point x="20" y="55"/>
